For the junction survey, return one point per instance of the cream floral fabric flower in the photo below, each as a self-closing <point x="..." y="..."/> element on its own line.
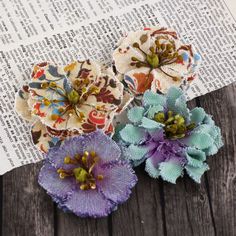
<point x="72" y="100"/>
<point x="155" y="59"/>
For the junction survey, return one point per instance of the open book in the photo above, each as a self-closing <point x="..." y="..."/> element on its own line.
<point x="62" y="31"/>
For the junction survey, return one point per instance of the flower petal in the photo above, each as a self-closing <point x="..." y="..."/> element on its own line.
<point x="132" y="134"/>
<point x="49" y="179"/>
<point x="153" y="171"/>
<point x="170" y="171"/>
<point x="195" y="157"/>
<point x="197" y="115"/>
<point x="89" y="203"/>
<point x="150" y="124"/>
<point x="150" y="98"/>
<point x="135" y="153"/>
<point x="118" y="180"/>
<point x="135" y="114"/>
<point x="199" y="140"/>
<point x="196" y="172"/>
<point x="21" y="103"/>
<point x="106" y="148"/>
<point x="152" y="110"/>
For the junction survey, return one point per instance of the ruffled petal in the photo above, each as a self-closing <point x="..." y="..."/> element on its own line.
<point x="152" y="170"/>
<point x="106" y="148"/>
<point x="199" y="140"/>
<point x="195" y="157"/>
<point x="49" y="179"/>
<point x="21" y="103"/>
<point x="176" y="102"/>
<point x="152" y="110"/>
<point x="89" y="203"/>
<point x="139" y="79"/>
<point x="150" y="124"/>
<point x="196" y="172"/>
<point x="170" y="171"/>
<point x="44" y="137"/>
<point x="153" y="99"/>
<point x="135" y="153"/>
<point x="197" y="115"/>
<point x="118" y="180"/>
<point x="135" y="114"/>
<point x="132" y="134"/>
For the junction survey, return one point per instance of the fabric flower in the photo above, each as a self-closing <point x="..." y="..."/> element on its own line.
<point x="85" y="175"/>
<point x="66" y="101"/>
<point x="155" y="59"/>
<point x="169" y="137"/>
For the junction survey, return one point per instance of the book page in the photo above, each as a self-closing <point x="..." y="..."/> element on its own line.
<point x="62" y="31"/>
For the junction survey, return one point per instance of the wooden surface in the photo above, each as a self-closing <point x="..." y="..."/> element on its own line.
<point x="155" y="207"/>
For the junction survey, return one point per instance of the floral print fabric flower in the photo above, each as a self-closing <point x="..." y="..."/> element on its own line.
<point x="65" y="101"/>
<point x="155" y="59"/>
<point x="169" y="137"/>
<point x="86" y="176"/>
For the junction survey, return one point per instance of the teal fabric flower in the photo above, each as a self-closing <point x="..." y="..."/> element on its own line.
<point x="168" y="137"/>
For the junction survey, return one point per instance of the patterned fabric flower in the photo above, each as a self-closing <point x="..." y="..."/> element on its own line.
<point x="169" y="137"/>
<point x="155" y="59"/>
<point x="85" y="175"/>
<point x="79" y="98"/>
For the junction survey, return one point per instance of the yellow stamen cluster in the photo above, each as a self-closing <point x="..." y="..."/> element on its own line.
<point x="161" y="53"/>
<point x="174" y="124"/>
<point x="83" y="172"/>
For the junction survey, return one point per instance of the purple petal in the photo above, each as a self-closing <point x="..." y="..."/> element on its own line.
<point x="118" y="180"/>
<point x="103" y="145"/>
<point x="51" y="182"/>
<point x="89" y="203"/>
<point x="69" y="147"/>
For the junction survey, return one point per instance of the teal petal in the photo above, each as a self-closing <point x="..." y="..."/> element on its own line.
<point x="197" y="115"/>
<point x="118" y="128"/>
<point x="132" y="134"/>
<point x="135" y="114"/>
<point x="136" y="153"/>
<point x="196" y="172"/>
<point x="153" y="110"/>
<point x="150" y="98"/>
<point x="170" y="171"/>
<point x="199" y="140"/>
<point x="151" y="169"/>
<point x="212" y="150"/>
<point x="177" y="103"/>
<point x="208" y="120"/>
<point x="195" y="157"/>
<point x="150" y="124"/>
<point x="209" y="129"/>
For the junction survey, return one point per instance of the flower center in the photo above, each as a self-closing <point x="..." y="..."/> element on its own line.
<point x="83" y="171"/>
<point x="71" y="97"/>
<point x="160" y="54"/>
<point x="175" y="125"/>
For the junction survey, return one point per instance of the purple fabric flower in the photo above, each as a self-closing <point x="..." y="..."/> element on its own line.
<point x="85" y="175"/>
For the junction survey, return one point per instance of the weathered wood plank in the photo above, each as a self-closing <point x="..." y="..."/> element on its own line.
<point x="142" y="213"/>
<point x="221" y="178"/>
<point x="69" y="224"/>
<point x="27" y="209"/>
<point x="187" y="207"/>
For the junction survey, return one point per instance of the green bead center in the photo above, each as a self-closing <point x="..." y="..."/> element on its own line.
<point x="83" y="171"/>
<point x="175" y="125"/>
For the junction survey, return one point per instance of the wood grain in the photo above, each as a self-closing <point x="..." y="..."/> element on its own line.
<point x="221" y="179"/>
<point x="27" y="209"/>
<point x="155" y="207"/>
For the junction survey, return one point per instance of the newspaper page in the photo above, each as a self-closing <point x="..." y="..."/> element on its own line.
<point x="60" y="31"/>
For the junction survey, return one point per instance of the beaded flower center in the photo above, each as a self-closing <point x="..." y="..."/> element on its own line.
<point x="71" y="97"/>
<point x="175" y="125"/>
<point x="83" y="171"/>
<point x="160" y="54"/>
